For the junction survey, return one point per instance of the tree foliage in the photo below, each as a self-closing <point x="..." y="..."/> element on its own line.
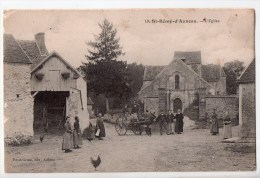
<point x="105" y="73"/>
<point x="233" y="70"/>
<point x="135" y="74"/>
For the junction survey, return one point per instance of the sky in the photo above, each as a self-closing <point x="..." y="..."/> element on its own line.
<point x="230" y="37"/>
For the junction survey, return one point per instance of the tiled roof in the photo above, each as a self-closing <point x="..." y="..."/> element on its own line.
<point x="248" y="75"/>
<point x="150" y="72"/>
<point x="31" y="49"/>
<point x="13" y="53"/>
<point x="212" y="73"/>
<point x="189" y="57"/>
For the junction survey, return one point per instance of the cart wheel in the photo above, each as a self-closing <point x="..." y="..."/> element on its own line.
<point x="120" y="126"/>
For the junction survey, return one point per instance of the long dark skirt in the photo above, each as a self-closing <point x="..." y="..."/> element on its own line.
<point x="67" y="142"/>
<point x="77" y="138"/>
<point x="214" y="128"/>
<point x="179" y="126"/>
<point x="102" y="129"/>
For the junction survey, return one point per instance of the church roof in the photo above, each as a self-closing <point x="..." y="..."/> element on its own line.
<point x="212" y="73"/>
<point x="31" y="49"/>
<point x="248" y="76"/>
<point x="189" y="57"/>
<point x="150" y="72"/>
<point x="13" y="52"/>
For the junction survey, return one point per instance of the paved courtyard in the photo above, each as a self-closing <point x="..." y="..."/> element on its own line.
<point x="194" y="150"/>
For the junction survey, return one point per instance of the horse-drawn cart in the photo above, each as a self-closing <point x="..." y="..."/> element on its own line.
<point x="134" y="123"/>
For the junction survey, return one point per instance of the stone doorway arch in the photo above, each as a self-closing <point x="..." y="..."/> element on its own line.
<point x="177" y="104"/>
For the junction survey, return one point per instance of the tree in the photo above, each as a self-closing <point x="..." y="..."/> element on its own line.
<point x="233" y="70"/>
<point x="135" y="74"/>
<point x="105" y="73"/>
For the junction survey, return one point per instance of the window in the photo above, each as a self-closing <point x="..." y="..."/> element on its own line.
<point x="177" y="82"/>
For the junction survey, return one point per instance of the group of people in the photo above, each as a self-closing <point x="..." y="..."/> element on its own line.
<point x="214" y="127"/>
<point x="72" y="138"/>
<point x="174" y="122"/>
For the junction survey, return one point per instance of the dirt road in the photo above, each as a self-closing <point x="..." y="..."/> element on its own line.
<point x="194" y="150"/>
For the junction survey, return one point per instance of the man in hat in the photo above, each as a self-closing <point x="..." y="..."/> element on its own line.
<point x="179" y="122"/>
<point x="162" y="120"/>
<point x="170" y="120"/>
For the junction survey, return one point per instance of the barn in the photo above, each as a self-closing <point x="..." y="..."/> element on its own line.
<point x="40" y="88"/>
<point x="58" y="90"/>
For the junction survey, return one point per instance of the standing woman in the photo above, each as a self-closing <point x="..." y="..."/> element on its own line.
<point x="77" y="136"/>
<point x="214" y="123"/>
<point x="100" y="128"/>
<point x="227" y="127"/>
<point x="67" y="143"/>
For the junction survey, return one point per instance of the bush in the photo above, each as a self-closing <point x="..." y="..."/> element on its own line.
<point x="18" y="140"/>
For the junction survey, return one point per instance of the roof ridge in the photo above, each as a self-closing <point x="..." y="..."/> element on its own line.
<point x="26" y="40"/>
<point x="61" y="58"/>
<point x="246" y="69"/>
<point x="184" y="65"/>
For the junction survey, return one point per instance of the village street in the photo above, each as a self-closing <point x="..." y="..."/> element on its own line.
<point x="194" y="150"/>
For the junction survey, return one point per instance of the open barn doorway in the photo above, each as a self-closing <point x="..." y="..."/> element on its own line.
<point x="50" y="111"/>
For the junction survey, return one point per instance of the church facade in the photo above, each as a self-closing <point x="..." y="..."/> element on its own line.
<point x="183" y="84"/>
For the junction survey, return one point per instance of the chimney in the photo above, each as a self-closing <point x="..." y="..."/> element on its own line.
<point x="40" y="41"/>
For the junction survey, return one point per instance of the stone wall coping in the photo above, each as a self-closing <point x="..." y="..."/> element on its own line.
<point x="221" y="96"/>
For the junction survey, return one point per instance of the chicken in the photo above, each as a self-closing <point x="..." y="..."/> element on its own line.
<point x="41" y="138"/>
<point x="89" y="139"/>
<point x="96" y="162"/>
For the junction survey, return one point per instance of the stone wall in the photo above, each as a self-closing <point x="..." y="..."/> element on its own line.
<point x="83" y="112"/>
<point x="202" y="103"/>
<point x="162" y="105"/>
<point x="151" y="104"/>
<point x="247" y="115"/>
<point x="75" y="108"/>
<point x="18" y="102"/>
<point x="222" y="104"/>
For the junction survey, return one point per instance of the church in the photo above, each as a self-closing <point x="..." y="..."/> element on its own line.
<point x="182" y="84"/>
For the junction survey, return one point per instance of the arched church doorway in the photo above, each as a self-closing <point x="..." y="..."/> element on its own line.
<point x="177" y="104"/>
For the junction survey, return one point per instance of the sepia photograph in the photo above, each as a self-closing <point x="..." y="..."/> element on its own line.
<point x="129" y="90"/>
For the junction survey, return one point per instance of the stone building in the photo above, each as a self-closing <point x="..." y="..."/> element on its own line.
<point x="182" y="84"/>
<point x="90" y="106"/>
<point x="55" y="88"/>
<point x="247" y="113"/>
<point x="18" y="101"/>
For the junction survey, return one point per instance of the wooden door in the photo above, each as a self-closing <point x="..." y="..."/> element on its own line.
<point x="55" y="80"/>
<point x="177" y="104"/>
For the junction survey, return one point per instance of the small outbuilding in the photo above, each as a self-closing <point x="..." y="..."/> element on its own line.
<point x="247" y="114"/>
<point x="59" y="90"/>
<point x="40" y="88"/>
